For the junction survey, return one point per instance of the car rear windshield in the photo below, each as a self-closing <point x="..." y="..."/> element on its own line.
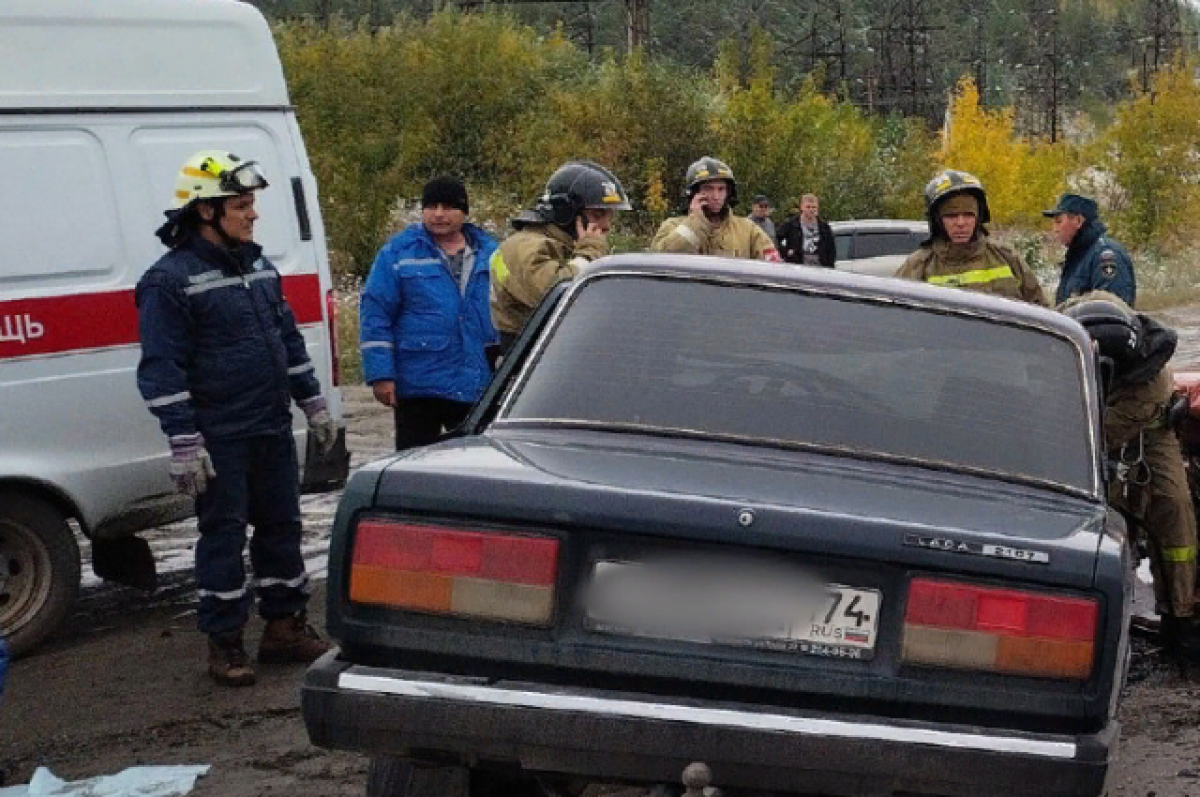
<point x="782" y="367"/>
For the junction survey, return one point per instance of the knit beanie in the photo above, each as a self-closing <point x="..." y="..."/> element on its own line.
<point x="446" y="191"/>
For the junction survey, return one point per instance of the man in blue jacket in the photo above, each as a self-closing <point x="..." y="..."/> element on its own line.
<point x="426" y="328"/>
<point x="1094" y="262"/>
<point x="222" y="361"/>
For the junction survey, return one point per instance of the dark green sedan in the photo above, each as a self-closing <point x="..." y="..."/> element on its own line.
<point x="822" y="532"/>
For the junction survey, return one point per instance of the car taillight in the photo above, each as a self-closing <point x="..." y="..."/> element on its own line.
<point x="331" y="317"/>
<point x="493" y="576"/>
<point x="950" y="624"/>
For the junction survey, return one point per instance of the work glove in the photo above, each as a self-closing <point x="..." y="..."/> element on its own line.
<point x="320" y="423"/>
<point x="191" y="466"/>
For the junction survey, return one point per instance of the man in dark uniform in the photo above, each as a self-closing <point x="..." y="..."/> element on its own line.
<point x="222" y="361"/>
<point x="1094" y="262"/>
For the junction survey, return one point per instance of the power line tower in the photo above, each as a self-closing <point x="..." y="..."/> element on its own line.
<point x="1163" y="39"/>
<point x="637" y="23"/>
<point x="903" y="71"/>
<point x="824" y="45"/>
<point x="324" y="12"/>
<point x="1044" y="85"/>
<point x="637" y="17"/>
<point x="582" y="28"/>
<point x="979" y="54"/>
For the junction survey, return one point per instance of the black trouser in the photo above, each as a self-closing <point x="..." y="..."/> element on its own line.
<point x="257" y="483"/>
<point x="507" y="339"/>
<point x="419" y="421"/>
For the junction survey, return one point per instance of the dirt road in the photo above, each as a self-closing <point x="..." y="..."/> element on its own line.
<point x="123" y="684"/>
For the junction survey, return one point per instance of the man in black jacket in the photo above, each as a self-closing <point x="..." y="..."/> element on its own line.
<point x="806" y="239"/>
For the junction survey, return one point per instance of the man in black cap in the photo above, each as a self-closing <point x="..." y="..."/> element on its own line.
<point x="426" y="329"/>
<point x="1093" y="262"/>
<point x="760" y="214"/>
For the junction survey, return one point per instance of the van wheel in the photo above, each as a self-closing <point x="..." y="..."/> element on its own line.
<point x="39" y="570"/>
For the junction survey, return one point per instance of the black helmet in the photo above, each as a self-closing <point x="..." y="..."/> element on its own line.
<point x="1115" y="328"/>
<point x="707" y="169"/>
<point x="950" y="182"/>
<point x="576" y="185"/>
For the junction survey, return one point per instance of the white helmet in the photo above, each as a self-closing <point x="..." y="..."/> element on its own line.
<point x="212" y="174"/>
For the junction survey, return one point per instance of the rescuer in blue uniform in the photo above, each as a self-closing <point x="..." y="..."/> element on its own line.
<point x="222" y="361"/>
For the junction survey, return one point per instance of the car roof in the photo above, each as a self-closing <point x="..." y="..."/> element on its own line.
<point x="839" y="282"/>
<point x="879" y="225"/>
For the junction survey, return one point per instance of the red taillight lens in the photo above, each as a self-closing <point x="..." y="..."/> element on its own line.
<point x="950" y="624"/>
<point x="331" y="317"/>
<point x="442" y="570"/>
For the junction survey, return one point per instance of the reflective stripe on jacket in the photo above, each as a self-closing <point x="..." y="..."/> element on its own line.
<point x="529" y="263"/>
<point x="978" y="266"/>
<point x="418" y="327"/>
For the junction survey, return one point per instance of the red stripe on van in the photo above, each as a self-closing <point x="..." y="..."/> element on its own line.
<point x="303" y="293"/>
<point x="58" y="324"/>
<point x="66" y="324"/>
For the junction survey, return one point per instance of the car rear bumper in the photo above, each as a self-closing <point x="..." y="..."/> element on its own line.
<point x="623" y="736"/>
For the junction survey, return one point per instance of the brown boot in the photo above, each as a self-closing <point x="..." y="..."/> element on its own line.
<point x="228" y="663"/>
<point x="291" y="640"/>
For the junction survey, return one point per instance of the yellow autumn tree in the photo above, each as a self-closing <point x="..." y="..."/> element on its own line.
<point x="789" y="143"/>
<point x="1021" y="176"/>
<point x="1151" y="157"/>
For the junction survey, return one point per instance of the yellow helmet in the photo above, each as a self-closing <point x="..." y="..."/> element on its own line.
<point x="212" y="173"/>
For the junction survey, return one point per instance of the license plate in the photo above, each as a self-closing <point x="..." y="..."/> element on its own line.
<point x="763" y="609"/>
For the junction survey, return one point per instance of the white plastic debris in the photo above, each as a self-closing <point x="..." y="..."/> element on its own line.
<point x="133" y="782"/>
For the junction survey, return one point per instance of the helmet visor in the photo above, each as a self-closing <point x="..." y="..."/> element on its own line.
<point x="243" y="178"/>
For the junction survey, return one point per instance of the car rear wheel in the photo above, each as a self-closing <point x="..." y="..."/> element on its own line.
<point x="39" y="570"/>
<point x="396" y="777"/>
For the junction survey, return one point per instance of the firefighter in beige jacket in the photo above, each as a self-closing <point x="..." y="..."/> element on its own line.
<point x="565" y="230"/>
<point x="958" y="253"/>
<point x="711" y="228"/>
<point x="1151" y="481"/>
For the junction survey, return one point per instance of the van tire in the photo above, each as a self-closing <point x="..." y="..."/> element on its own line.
<point x="39" y="570"/>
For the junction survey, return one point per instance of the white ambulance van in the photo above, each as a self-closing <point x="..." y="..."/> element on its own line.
<point x="100" y="103"/>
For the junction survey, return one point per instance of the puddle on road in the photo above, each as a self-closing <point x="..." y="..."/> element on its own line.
<point x="369" y="433"/>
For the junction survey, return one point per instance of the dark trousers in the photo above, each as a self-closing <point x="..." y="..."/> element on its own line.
<point x="507" y="339"/>
<point x="257" y="483"/>
<point x="419" y="421"/>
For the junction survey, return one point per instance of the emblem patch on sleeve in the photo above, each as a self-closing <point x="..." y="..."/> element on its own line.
<point x="1108" y="263"/>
